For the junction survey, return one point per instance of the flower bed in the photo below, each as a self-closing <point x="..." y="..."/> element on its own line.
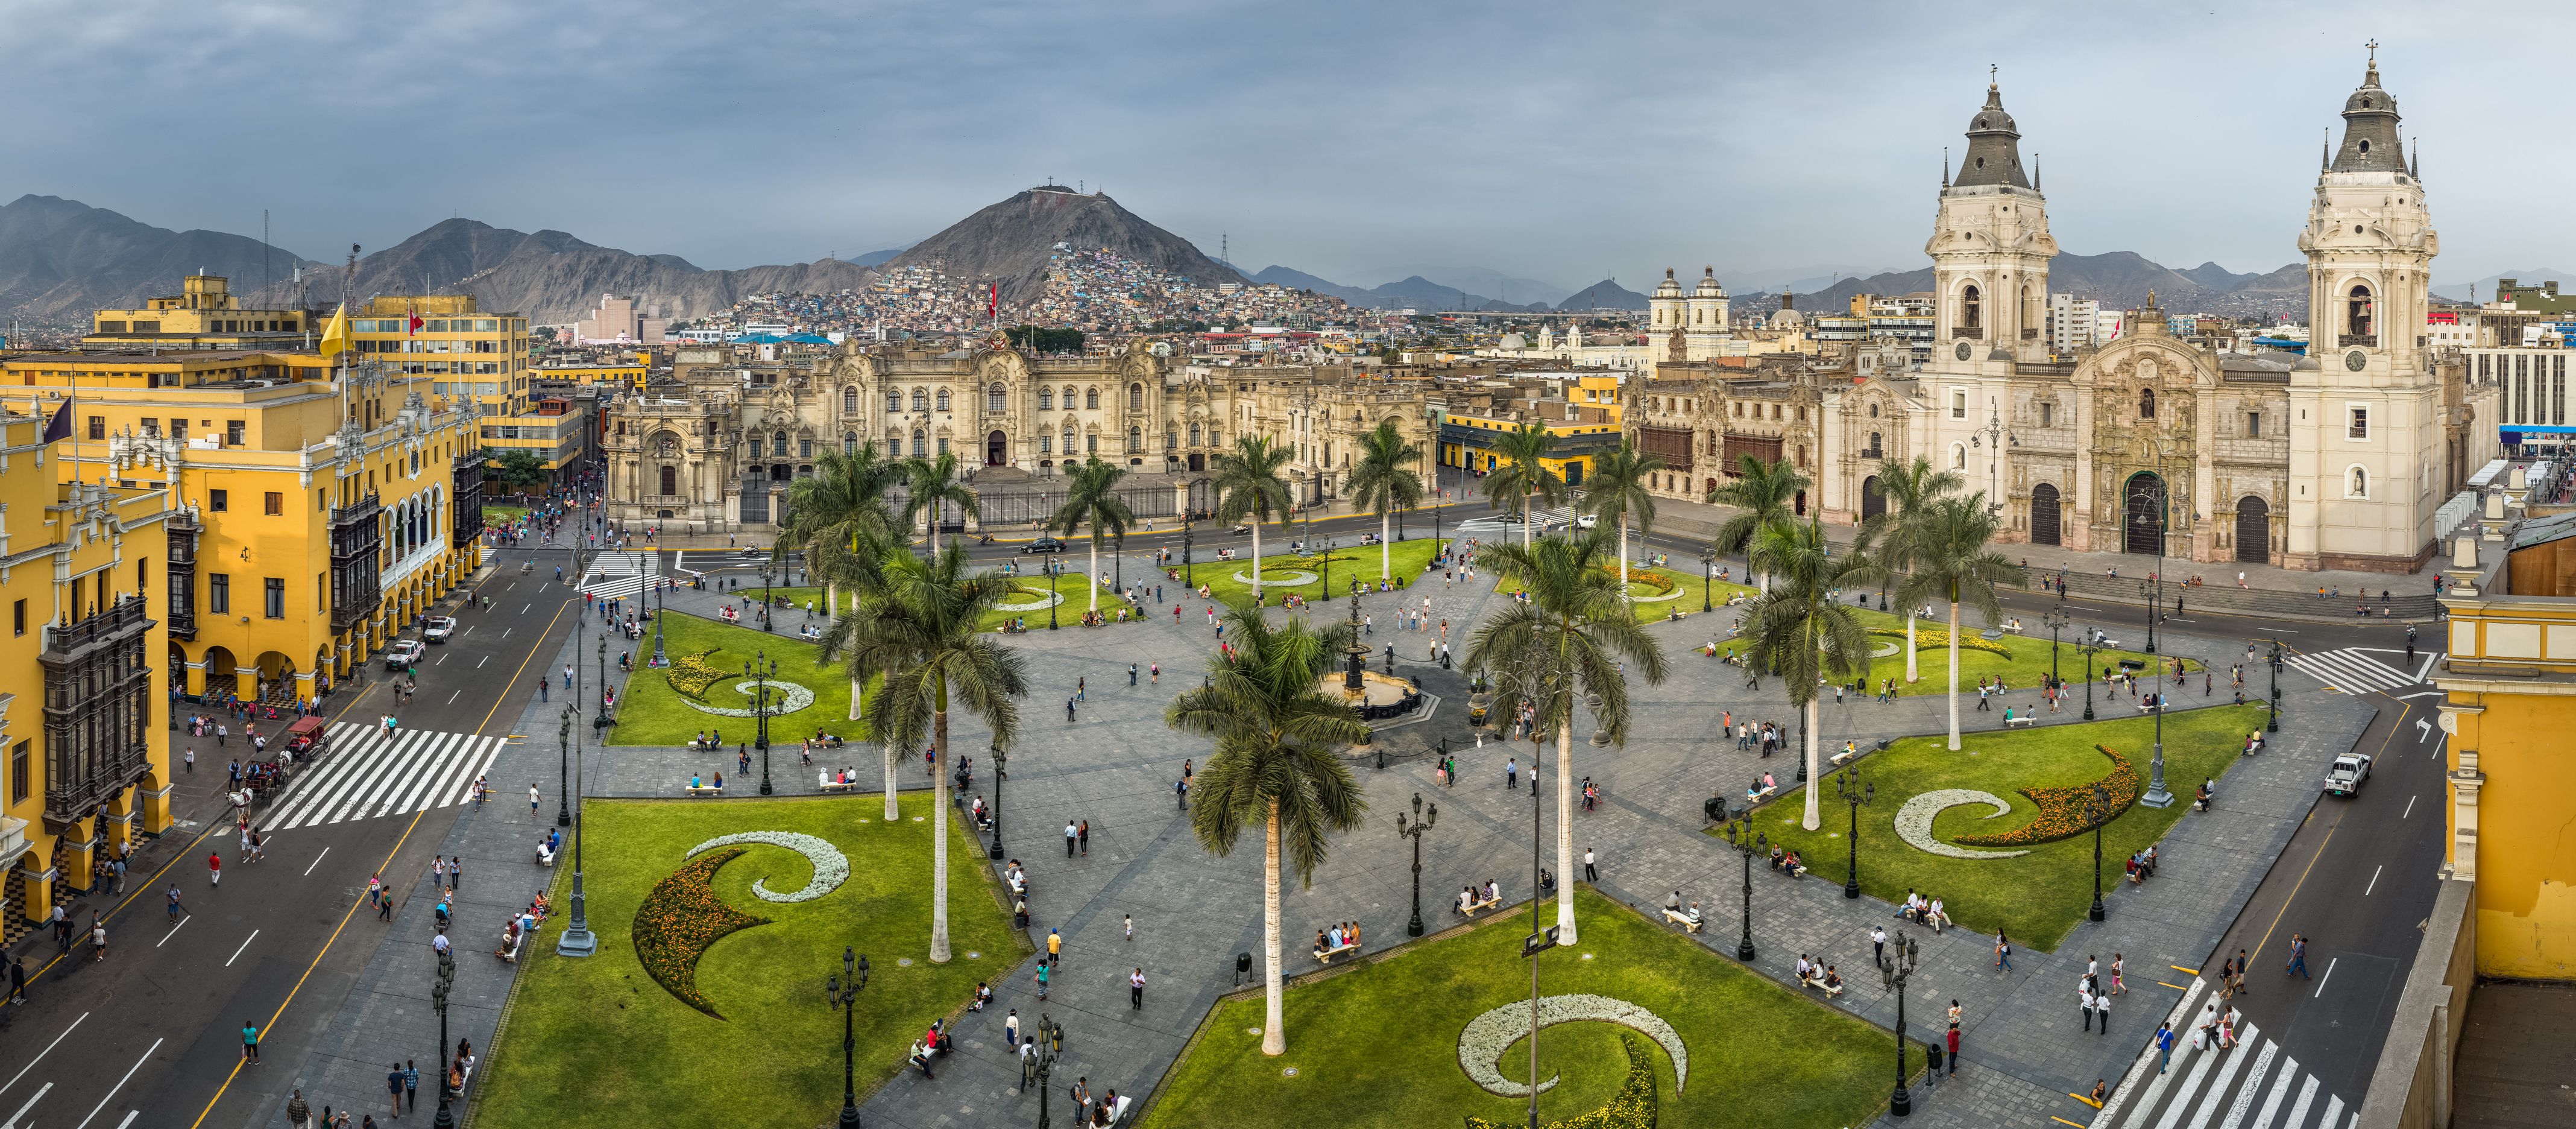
<point x="1634" y="1108"/>
<point x="679" y="920"/>
<point x="831" y="867"/>
<point x="1940" y="640"/>
<point x="692" y="674"/>
<point x="1660" y="582"/>
<point x="2061" y="810"/>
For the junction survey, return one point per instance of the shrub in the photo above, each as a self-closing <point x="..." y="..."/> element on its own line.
<point x="2061" y="810"/>
<point x="1633" y="1108"/>
<point x="692" y="674"/>
<point x="680" y="919"/>
<point x="1660" y="582"/>
<point x="1928" y="640"/>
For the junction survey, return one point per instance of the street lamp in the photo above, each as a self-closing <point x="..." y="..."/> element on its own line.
<point x="577" y="940"/>
<point x="1855" y="792"/>
<point x="846" y="999"/>
<point x="761" y="668"/>
<point x="2153" y="597"/>
<point x="1050" y="1047"/>
<point x="1055" y="589"/>
<point x="2097" y="810"/>
<point x="2085" y="646"/>
<point x="601" y="721"/>
<point x="2055" y="620"/>
<point x="662" y="604"/>
<point x="2273" y="723"/>
<point x="2157" y="796"/>
<point x="563" y="769"/>
<point x="1420" y="825"/>
<point x="1893" y="972"/>
<point x="1540" y="939"/>
<point x="1001" y="765"/>
<point x="1748" y="846"/>
<point x="765" y="576"/>
<point x="438" y="1000"/>
<point x="1708" y="577"/>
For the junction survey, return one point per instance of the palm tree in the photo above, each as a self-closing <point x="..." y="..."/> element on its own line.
<point x="844" y="499"/>
<point x="1091" y="497"/>
<point x="1907" y="488"/>
<point x="1764" y="494"/>
<point x="922" y="627"/>
<point x="1799" y="630"/>
<point x="1567" y="641"/>
<point x="1618" y="487"/>
<point x="860" y="565"/>
<point x="935" y="484"/>
<point x="1382" y="481"/>
<point x="1275" y="728"/>
<point x="1523" y="476"/>
<point x="1947" y="545"/>
<point x="1248" y="482"/>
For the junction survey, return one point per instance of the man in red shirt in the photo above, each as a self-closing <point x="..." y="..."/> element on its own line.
<point x="214" y="869"/>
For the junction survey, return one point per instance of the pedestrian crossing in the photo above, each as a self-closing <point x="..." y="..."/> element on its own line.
<point x="371" y="772"/>
<point x="617" y="575"/>
<point x="2248" y="1086"/>
<point x="2350" y="670"/>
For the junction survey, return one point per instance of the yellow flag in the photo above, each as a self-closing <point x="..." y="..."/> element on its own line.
<point x="335" y="336"/>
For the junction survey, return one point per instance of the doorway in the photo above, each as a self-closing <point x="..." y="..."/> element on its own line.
<point x="2253" y="531"/>
<point x="2145" y="532"/>
<point x="2044" y="515"/>
<point x="997" y="449"/>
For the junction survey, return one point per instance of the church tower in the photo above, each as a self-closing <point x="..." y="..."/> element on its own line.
<point x="1667" y="304"/>
<point x="2365" y="402"/>
<point x="1707" y="307"/>
<point x="1990" y="249"/>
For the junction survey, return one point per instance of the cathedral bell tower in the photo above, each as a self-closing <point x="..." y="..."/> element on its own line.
<point x="2364" y="403"/>
<point x="1990" y="249"/>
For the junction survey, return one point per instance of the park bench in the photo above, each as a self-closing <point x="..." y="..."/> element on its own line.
<point x="1758" y="795"/>
<point x="457" y="1092"/>
<point x="1325" y="956"/>
<point x="1688" y="923"/>
<point x="829" y="785"/>
<point x="1480" y="904"/>
<point x="2017" y="722"/>
<point x="1840" y="755"/>
<point x="703" y="789"/>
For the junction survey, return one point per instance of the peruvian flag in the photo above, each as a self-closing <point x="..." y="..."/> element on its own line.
<point x="415" y="322"/>
<point x="993" y="300"/>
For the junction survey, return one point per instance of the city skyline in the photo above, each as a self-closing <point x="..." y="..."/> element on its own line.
<point x="1746" y="138"/>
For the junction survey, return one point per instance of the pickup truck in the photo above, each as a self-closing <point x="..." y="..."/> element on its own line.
<point x="439" y="629"/>
<point x="405" y="654"/>
<point x="2345" y="776"/>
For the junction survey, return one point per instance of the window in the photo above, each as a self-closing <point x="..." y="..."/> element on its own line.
<point x="2360" y="428"/>
<point x="275" y="605"/>
<point x="921" y="399"/>
<point x="1135" y="397"/>
<point x="920" y="445"/>
<point x="2146" y="403"/>
<point x="1046" y="399"/>
<point x="1091" y="444"/>
<point x="849" y="401"/>
<point x="1873" y="451"/>
<point x="2047" y="410"/>
<point x="1958" y="405"/>
<point x="235" y="431"/>
<point x="1046" y="444"/>
<point x="1068" y="397"/>
<point x="2359" y="484"/>
<point x="98" y="427"/>
<point x="1969" y="310"/>
<point x="1135" y="440"/>
<point x="943" y="444"/>
<point x="996" y="400"/>
<point x="273" y="504"/>
<point x="218" y="500"/>
<point x="18" y="771"/>
<point x="18" y="612"/>
<point x="849" y="442"/>
<point x="943" y="399"/>
<point x="1171" y="439"/>
<point x="178" y="429"/>
<point x="1194" y="435"/>
<point x="219" y="592"/>
<point x="2253" y="425"/>
<point x="1068" y="439"/>
<point x="804" y="448"/>
<point x="894" y="400"/>
<point x="2357" y="312"/>
<point x="1091" y="397"/>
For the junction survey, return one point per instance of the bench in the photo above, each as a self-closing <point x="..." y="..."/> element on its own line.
<point x="830" y="785"/>
<point x="1118" y="1113"/>
<point x="544" y="857"/>
<point x="1840" y="755"/>
<point x="703" y="789"/>
<point x="1688" y="923"/>
<point x="457" y="1092"/>
<point x="1325" y="956"/>
<point x="1754" y="796"/>
<point x="2018" y="722"/>
<point x="1818" y="982"/>
<point x="1486" y="903"/>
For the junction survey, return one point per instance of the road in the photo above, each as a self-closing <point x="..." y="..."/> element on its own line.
<point x="151" y="1036"/>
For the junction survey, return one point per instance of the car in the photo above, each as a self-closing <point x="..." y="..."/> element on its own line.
<point x="1043" y="545"/>
<point x="1241" y="528"/>
<point x="440" y="627"/>
<point x="405" y="655"/>
<point x="2345" y="776"/>
<point x="1586" y="521"/>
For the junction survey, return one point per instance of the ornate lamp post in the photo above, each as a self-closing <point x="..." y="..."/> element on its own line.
<point x="1421" y="824"/>
<point x="1855" y="792"/>
<point x="2055" y="620"/>
<point x="2097" y="808"/>
<point x="1540" y="939"/>
<point x="2153" y="596"/>
<point x="438" y="1001"/>
<point x="1050" y="1047"/>
<point x="1748" y="846"/>
<point x="2273" y="723"/>
<point x="1055" y="588"/>
<point x="577" y="939"/>
<point x="661" y="604"/>
<point x="563" y="769"/>
<point x="846" y="999"/>
<point x="1001" y="772"/>
<point x="761" y="667"/>
<point x="2156" y="796"/>
<point x="602" y="720"/>
<point x="767" y="574"/>
<point x="1894" y="970"/>
<point x="1708" y="577"/>
<point x="2085" y="646"/>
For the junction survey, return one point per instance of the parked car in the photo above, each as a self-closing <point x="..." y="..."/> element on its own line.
<point x="2345" y="776"/>
<point x="1241" y="528"/>
<point x="440" y="627"/>
<point x="1043" y="545"/>
<point x="405" y="654"/>
<point x="1586" y="521"/>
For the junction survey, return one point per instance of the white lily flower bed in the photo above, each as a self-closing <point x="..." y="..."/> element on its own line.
<point x="797" y="697"/>
<point x="1914" y="821"/>
<point x="1487" y="1036"/>
<point x="831" y="867"/>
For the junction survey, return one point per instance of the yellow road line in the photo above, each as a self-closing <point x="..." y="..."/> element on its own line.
<point x="2179" y="968"/>
<point x="2063" y="1121"/>
<point x="2085" y="1100"/>
<point x="2175" y="987"/>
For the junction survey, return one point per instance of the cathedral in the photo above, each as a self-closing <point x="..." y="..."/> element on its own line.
<point x="2151" y="444"/>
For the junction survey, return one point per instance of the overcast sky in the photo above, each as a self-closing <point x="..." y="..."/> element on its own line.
<point x="1551" y="141"/>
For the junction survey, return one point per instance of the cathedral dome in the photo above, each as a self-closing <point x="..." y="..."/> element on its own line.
<point x="1708" y="284"/>
<point x="1669" y="288"/>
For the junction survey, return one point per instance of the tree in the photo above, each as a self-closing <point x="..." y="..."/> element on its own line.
<point x="936" y="483"/>
<point x="1091" y="497"/>
<point x="1248" y="482"/>
<point x="1523" y="476"/>
<point x="522" y="470"/>
<point x="1799" y="631"/>
<point x="1382" y="482"/>
<point x="1274" y="765"/>
<point x="923" y="628"/>
<point x="1618" y="487"/>
<point x="1765" y="493"/>
<point x="845" y="494"/>
<point x="1907" y="488"/>
<point x="1046" y="340"/>
<point x="1569" y="636"/>
<point x="860" y="565"/>
<point x="1947" y="549"/>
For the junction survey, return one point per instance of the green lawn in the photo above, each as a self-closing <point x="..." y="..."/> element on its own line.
<point x="2037" y="897"/>
<point x="597" y="1042"/>
<point x="2024" y="669"/>
<point x="504" y="513"/>
<point x="655" y="714"/>
<point x="1379" y="1046"/>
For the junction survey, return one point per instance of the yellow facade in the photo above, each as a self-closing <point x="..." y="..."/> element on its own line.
<point x="557" y="439"/>
<point x="309" y="524"/>
<point x="2510" y="683"/>
<point x="624" y="377"/>
<point x="479" y="358"/>
<point x="84" y="718"/>
<point x="205" y="314"/>
<point x="1467" y="437"/>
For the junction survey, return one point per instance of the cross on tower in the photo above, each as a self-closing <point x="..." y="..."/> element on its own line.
<point x="2374" y="50"/>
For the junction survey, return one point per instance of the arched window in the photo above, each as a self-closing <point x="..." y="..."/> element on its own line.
<point x="921" y="399"/>
<point x="1171" y="439"/>
<point x="1873" y="452"/>
<point x="943" y="399"/>
<point x="2146" y="403"/>
<point x="1135" y="397"/>
<point x="1194" y="435"/>
<point x="1873" y="411"/>
<point x="1046" y="399"/>
<point x="2357" y="312"/>
<point x="849" y="442"/>
<point x="1091" y="397"/>
<point x="850" y="401"/>
<point x="670" y="481"/>
<point x="1970" y="312"/>
<point x="996" y="400"/>
<point x="1091" y="444"/>
<point x="894" y="400"/>
<point x="1068" y="439"/>
<point x="781" y="437"/>
<point x="1135" y="439"/>
<point x="1068" y="397"/>
<point x="2359" y="487"/>
<point x="920" y="444"/>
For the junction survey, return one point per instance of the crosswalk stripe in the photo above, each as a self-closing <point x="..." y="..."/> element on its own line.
<point x="2190" y="1086"/>
<point x="409" y="782"/>
<point x="2280" y="1090"/>
<point x="2209" y="1102"/>
<point x="404" y="745"/>
<point x="2253" y="1085"/>
<point x="2347" y="670"/>
<point x="2334" y="1114"/>
<point x="374" y="773"/>
<point x="2299" y="1109"/>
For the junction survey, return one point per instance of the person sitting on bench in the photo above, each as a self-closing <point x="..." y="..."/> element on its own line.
<point x="1791" y="866"/>
<point x="1833" y="982"/>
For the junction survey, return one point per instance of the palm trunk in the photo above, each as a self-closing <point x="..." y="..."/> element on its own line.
<point x="1256" y="570"/>
<point x="939" y="832"/>
<point x="1954" y="676"/>
<point x="1093" y="573"/>
<point x="1814" y="722"/>
<point x="1913" y="671"/>
<point x="1385" y="550"/>
<point x="1564" y="831"/>
<point x="1528" y="503"/>
<point x="1630" y="600"/>
<point x="892" y="813"/>
<point x="1274" y="1034"/>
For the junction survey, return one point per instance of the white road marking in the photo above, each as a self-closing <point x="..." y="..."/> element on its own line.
<point x="12" y="1123"/>
<point x="2410" y="807"/>
<point x="2253" y="1086"/>
<point x="451" y="699"/>
<point x="120" y="1084"/>
<point x="505" y="632"/>
<point x="129" y="1119"/>
<point x="2321" y="982"/>
<point x="317" y="861"/>
<point x="254" y="935"/>
<point x="486" y="658"/>
<point x="2365" y="892"/>
<point x="174" y="931"/>
<point x="40" y="1055"/>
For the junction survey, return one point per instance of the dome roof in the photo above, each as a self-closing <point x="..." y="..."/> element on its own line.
<point x="1991" y="117"/>
<point x="2370" y="98"/>
<point x="1669" y="288"/>
<point x="1514" y="341"/>
<point x="1709" y="287"/>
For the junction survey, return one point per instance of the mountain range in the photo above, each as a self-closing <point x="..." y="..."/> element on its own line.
<point x="2116" y="279"/>
<point x="61" y="259"/>
<point x="2484" y="289"/>
<point x="1419" y="293"/>
<point x="1010" y="242"/>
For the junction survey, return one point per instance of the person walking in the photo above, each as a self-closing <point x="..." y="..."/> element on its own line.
<point x="250" y="1042"/>
<point x="393" y="1087"/>
<point x="2102" y="1009"/>
<point x="1131" y="925"/>
<point x="455" y="871"/>
<point x="2298" y="957"/>
<point x="1068" y="711"/>
<point x="2164" y="1046"/>
<point x="174" y="901"/>
<point x="1511" y="773"/>
<point x="1954" y="1049"/>
<point x="1042" y="981"/>
<point x="214" y="869"/>
<point x="2003" y="951"/>
<point x="1071" y="834"/>
<point x="18" y="980"/>
<point x="1878" y="944"/>
<point x="2084" y="1002"/>
<point x="411" y="1084"/>
<point x="97" y="938"/>
<point x="1136" y="990"/>
<point x="1589" y="873"/>
<point x="532" y="801"/>
<point x="192" y="761"/>
<point x="1055" y="947"/>
<point x="1086" y="836"/>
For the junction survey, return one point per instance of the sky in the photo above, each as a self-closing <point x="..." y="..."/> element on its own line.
<point x="1554" y="142"/>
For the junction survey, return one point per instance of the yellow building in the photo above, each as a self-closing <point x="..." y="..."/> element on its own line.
<point x="315" y="509"/>
<point x="468" y="355"/>
<point x="1581" y="411"/>
<point x="558" y="431"/>
<point x="624" y="377"/>
<point x="83" y="571"/>
<point x="2510" y="681"/>
<point x="205" y="314"/>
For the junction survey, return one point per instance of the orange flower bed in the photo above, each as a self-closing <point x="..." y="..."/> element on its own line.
<point x="680" y="919"/>
<point x="2061" y="810"/>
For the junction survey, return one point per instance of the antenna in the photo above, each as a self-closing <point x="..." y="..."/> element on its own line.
<point x="265" y="277"/>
